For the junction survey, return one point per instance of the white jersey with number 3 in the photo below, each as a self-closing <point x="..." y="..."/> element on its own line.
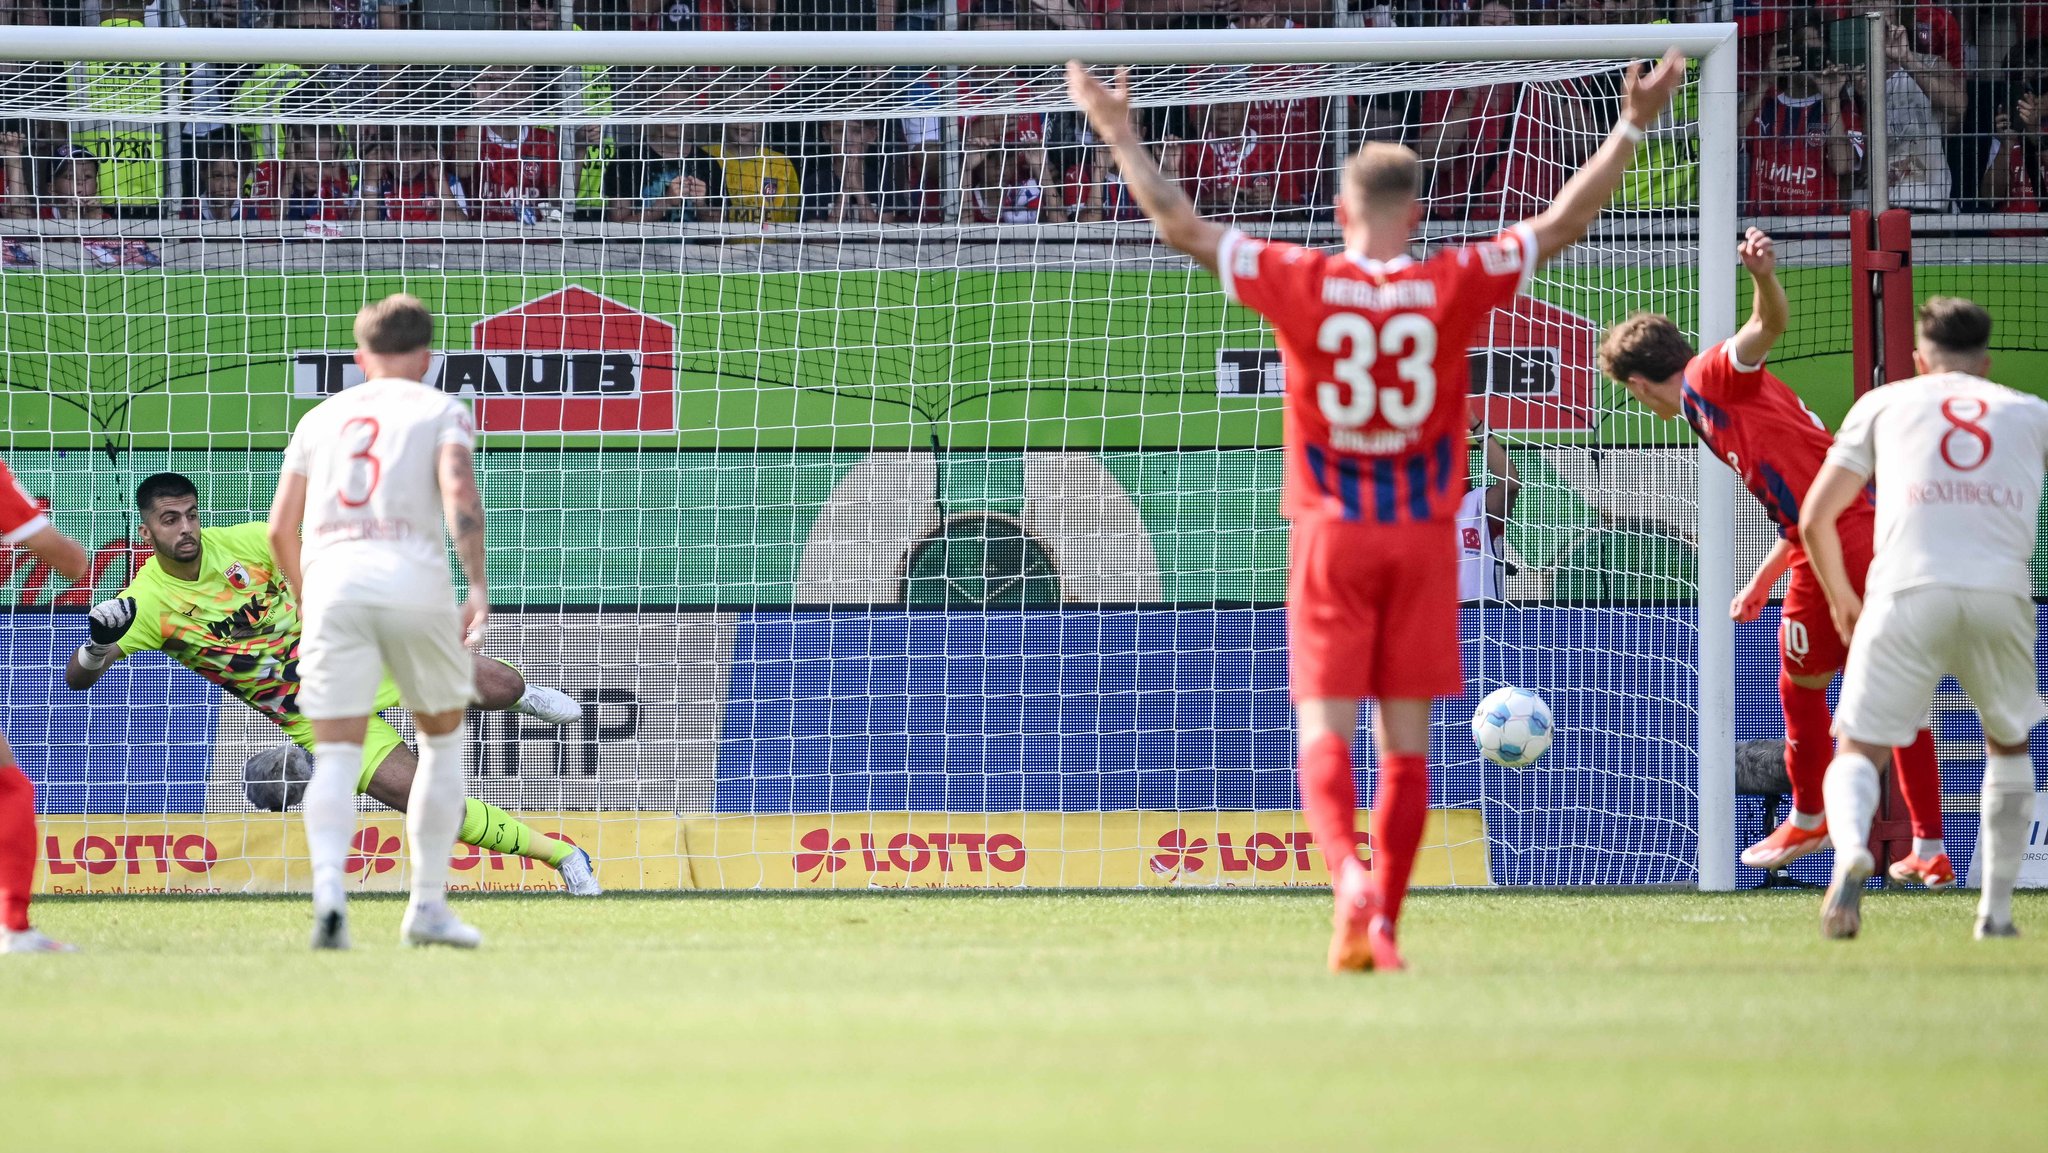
<point x="373" y="527"/>
<point x="1959" y="463"/>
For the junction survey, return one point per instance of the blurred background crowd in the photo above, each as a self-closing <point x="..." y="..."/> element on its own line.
<point x="1965" y="100"/>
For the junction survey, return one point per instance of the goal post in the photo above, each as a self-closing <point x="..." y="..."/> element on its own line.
<point x="900" y="512"/>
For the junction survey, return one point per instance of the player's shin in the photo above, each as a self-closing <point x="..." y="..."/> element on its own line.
<point x="17" y="846"/>
<point x="1329" y="794"/>
<point x="330" y="816"/>
<point x="489" y="827"/>
<point x="2008" y="807"/>
<point x="1919" y="775"/>
<point x="1852" y="793"/>
<point x="1808" y="747"/>
<point x="434" y="814"/>
<point x="1397" y="819"/>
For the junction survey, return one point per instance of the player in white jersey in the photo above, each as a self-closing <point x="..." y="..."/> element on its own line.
<point x="1483" y="523"/>
<point x="371" y="474"/>
<point x="1959" y="463"/>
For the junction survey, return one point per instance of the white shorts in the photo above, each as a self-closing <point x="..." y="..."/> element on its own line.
<point x="348" y="648"/>
<point x="1907" y="641"/>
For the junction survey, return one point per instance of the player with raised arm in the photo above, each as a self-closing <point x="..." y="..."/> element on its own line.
<point x="370" y="476"/>
<point x="1959" y="463"/>
<point x="24" y="524"/>
<point x="1760" y="427"/>
<point x="212" y="599"/>
<point x="1375" y="441"/>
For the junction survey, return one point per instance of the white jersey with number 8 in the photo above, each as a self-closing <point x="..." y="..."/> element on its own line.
<point x="1959" y="462"/>
<point x="373" y="527"/>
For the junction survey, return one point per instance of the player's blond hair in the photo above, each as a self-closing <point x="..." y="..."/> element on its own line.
<point x="395" y="325"/>
<point x="1381" y="176"/>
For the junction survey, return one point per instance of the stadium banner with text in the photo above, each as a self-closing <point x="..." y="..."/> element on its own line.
<point x="266" y="853"/>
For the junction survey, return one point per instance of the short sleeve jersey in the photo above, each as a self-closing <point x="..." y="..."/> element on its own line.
<point x="1959" y="463"/>
<point x="236" y="623"/>
<point x="370" y="457"/>
<point x="21" y="515"/>
<point x="1760" y="427"/>
<point x="1376" y="373"/>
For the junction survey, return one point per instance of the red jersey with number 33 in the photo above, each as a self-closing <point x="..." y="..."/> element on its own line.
<point x="21" y="517"/>
<point x="1760" y="427"/>
<point x="1376" y="371"/>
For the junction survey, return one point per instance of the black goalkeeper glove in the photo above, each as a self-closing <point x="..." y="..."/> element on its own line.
<point x="109" y="621"/>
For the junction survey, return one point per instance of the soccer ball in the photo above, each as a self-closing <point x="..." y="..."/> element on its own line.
<point x="275" y="778"/>
<point x="1511" y="727"/>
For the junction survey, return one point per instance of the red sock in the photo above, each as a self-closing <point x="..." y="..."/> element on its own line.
<point x="17" y="846"/>
<point x="1808" y="745"/>
<point x="1329" y="794"/>
<point x="1397" y="825"/>
<point x="1919" y="774"/>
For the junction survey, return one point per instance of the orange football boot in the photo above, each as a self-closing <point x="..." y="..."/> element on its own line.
<point x="1917" y="870"/>
<point x="1786" y="844"/>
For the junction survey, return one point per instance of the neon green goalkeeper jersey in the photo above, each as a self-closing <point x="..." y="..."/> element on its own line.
<point x="236" y="625"/>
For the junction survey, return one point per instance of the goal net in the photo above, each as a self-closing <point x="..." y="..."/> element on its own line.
<point x="897" y="509"/>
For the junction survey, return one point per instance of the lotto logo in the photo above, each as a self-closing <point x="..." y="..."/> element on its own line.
<point x="910" y="853"/>
<point x="140" y="853"/>
<point x="1258" y="853"/>
<point x="374" y="852"/>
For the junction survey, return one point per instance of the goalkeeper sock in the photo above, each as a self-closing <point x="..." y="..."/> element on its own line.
<point x="1397" y="818"/>
<point x="2008" y="804"/>
<point x="433" y="814"/>
<point x="1852" y="788"/>
<point x="1329" y="794"/>
<point x="330" y="815"/>
<point x="1808" y="745"/>
<point x="17" y="846"/>
<point x="490" y="827"/>
<point x="1919" y="777"/>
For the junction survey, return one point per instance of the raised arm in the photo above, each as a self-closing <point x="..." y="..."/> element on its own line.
<point x="287" y="514"/>
<point x="463" y="508"/>
<point x="1643" y="99"/>
<point x="1769" y="312"/>
<point x="1172" y="213"/>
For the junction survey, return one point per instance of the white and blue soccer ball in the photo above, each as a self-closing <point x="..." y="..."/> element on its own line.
<point x="1512" y="727"/>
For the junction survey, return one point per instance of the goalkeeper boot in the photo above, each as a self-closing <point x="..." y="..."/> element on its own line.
<point x="1786" y="844"/>
<point x="579" y="876"/>
<point x="550" y="705"/>
<point x="1988" y="928"/>
<point x="1841" y="911"/>
<point x="330" y="929"/>
<point x="437" y="924"/>
<point x="33" y="941"/>
<point x="1351" y="923"/>
<point x="1918" y="870"/>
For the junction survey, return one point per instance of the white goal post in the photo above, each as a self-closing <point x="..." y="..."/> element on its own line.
<point x="162" y="331"/>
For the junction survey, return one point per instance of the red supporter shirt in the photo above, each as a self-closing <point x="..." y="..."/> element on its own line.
<point x="513" y="176"/>
<point x="1217" y="169"/>
<point x="21" y="515"/>
<point x="1376" y="370"/>
<point x="1788" y="156"/>
<point x="1756" y="423"/>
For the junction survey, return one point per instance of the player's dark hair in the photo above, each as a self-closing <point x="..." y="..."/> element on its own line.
<point x="162" y="486"/>
<point x="1384" y="174"/>
<point x="1648" y="345"/>
<point x="1953" y="324"/>
<point x="394" y="326"/>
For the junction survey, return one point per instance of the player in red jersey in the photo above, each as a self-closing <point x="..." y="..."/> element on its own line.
<point x="24" y="524"/>
<point x="1374" y="342"/>
<point x="1756" y="423"/>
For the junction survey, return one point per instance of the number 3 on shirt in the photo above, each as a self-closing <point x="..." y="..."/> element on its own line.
<point x="1350" y="337"/>
<point x="359" y="436"/>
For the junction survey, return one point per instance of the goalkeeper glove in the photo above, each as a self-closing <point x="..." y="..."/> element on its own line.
<point x="109" y="622"/>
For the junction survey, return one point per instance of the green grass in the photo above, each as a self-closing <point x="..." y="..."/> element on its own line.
<point x="1043" y="1022"/>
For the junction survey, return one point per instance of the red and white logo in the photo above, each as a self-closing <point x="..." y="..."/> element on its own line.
<point x="238" y="576"/>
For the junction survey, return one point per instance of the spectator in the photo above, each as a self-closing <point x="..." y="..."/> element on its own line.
<point x="17" y="191"/>
<point x="1232" y="170"/>
<point x="1295" y="125"/>
<point x="222" y="193"/>
<point x="756" y="184"/>
<point x="414" y="184"/>
<point x="1483" y="524"/>
<point x="73" y="189"/>
<point x="512" y="168"/>
<point x="312" y="183"/>
<point x="1801" y="133"/>
<point x="2014" y="168"/>
<point x="1002" y="171"/>
<point x="663" y="179"/>
<point x="1923" y="101"/>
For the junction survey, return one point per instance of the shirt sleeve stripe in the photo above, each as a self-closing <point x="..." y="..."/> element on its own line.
<point x="41" y="522"/>
<point x="1226" y="256"/>
<point x="1525" y="239"/>
<point x="1734" y="361"/>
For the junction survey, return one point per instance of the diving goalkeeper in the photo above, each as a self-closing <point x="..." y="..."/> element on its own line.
<point x="212" y="600"/>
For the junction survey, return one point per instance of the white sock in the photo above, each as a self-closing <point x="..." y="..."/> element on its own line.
<point x="330" y="818"/>
<point x="1851" y="790"/>
<point x="2008" y="811"/>
<point x="1928" y="848"/>
<point x="1807" y="822"/>
<point x="433" y="815"/>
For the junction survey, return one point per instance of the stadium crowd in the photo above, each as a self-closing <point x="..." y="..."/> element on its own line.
<point x="1965" y="101"/>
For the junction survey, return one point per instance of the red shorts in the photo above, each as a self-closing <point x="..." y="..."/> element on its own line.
<point x="1808" y="645"/>
<point x="1372" y="610"/>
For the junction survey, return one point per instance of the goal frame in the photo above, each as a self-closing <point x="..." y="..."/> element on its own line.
<point x="1714" y="44"/>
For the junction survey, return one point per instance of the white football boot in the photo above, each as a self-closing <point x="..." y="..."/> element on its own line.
<point x="437" y="925"/>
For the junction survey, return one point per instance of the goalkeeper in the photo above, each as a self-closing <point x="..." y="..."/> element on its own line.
<point x="212" y="600"/>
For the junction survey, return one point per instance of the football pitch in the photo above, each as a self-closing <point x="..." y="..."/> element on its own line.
<point x="1182" y="1021"/>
